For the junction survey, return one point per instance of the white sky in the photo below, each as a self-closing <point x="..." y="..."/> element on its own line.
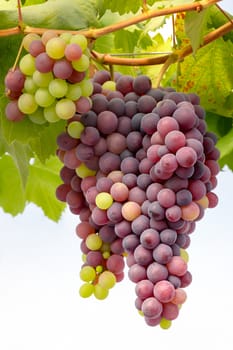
<point x="39" y="279"/>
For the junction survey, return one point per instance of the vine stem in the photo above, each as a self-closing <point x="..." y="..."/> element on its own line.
<point x="177" y="55"/>
<point x="96" y="33"/>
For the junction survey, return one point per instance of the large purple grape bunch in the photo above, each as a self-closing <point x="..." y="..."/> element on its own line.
<point x="139" y="170"/>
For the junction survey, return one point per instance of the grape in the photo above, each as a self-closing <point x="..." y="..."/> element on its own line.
<point x="86" y="290"/>
<point x="131" y="109"/>
<point x="117" y="106"/>
<point x="65" y="108"/>
<point x="36" y="47"/>
<point x="156" y="211"/>
<point x="80" y="40"/>
<point x="131" y="210"/>
<point x="170" y="311"/>
<point x="149" y="123"/>
<point x="66" y="142"/>
<point x="115" y="263"/>
<point x="99" y="103"/>
<point x="44" y="63"/>
<point x="186" y="118"/>
<point x="44" y="99"/>
<point x="137" y="273"/>
<point x="162" y="253"/>
<point x="129" y="165"/>
<point x="15" y="80"/>
<point x="166" y="197"/>
<point x="151" y="307"/>
<point x="156" y="272"/>
<point x="109" y="85"/>
<point x="28" y="39"/>
<point x="12" y="111"/>
<point x="125" y="84"/>
<point x="144" y="289"/>
<point x="186" y="157"/>
<point x="62" y="69"/>
<point x="165" y="107"/>
<point x="108" y="162"/>
<point x="140" y="224"/>
<point x="100" y="292"/>
<point x="73" y="52"/>
<point x="107" y="279"/>
<point x="55" y="48"/>
<point x="149" y="238"/>
<point x="119" y="192"/>
<point x="116" y="143"/>
<point x="174" y="140"/>
<point x="130" y="242"/>
<point x="83" y="104"/>
<point x="87" y="274"/>
<point x="137" y="195"/>
<point x="173" y="213"/>
<point x="168" y="236"/>
<point x="37" y="117"/>
<point x="107" y="234"/>
<point x="42" y="79"/>
<point x="143" y="256"/>
<point x="107" y="122"/>
<point x="27" y="64"/>
<point x="123" y="228"/>
<point x="82" y="64"/>
<point x="177" y="266"/>
<point x="164" y="291"/>
<point x="27" y="103"/>
<point x="141" y="85"/>
<point x="183" y="197"/>
<point x="146" y="104"/>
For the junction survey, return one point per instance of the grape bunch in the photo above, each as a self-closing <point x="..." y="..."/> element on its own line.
<point x="139" y="168"/>
<point x="51" y="81"/>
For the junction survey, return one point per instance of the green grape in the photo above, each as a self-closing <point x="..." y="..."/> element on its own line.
<point x="27" y="64"/>
<point x="86" y="87"/>
<point x="99" y="269"/>
<point x="58" y="88"/>
<point x="74" y="92"/>
<point x="37" y="117"/>
<point x="184" y="255"/>
<point x="87" y="274"/>
<point x="165" y="324"/>
<point x="55" y="48"/>
<point x="42" y="79"/>
<point x="75" y="129"/>
<point x="103" y="200"/>
<point x="28" y="39"/>
<point x="66" y="37"/>
<point x="93" y="242"/>
<point x="109" y="85"/>
<point x="50" y="114"/>
<point x="107" y="279"/>
<point x="43" y="97"/>
<point x="100" y="292"/>
<point x="79" y="39"/>
<point x="83" y="171"/>
<point x="27" y="103"/>
<point x="86" y="290"/>
<point x="65" y="108"/>
<point x="30" y="86"/>
<point x="82" y="64"/>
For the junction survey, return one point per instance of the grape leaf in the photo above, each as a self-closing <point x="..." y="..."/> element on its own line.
<point x="195" y="27"/>
<point x="12" y="196"/>
<point x="42" y="182"/>
<point x="209" y="75"/>
<point x="54" y="14"/>
<point x="218" y="124"/>
<point x="21" y="155"/>
<point x="225" y="145"/>
<point x="45" y="145"/>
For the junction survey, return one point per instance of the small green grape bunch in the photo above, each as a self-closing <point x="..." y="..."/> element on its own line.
<point x="51" y="80"/>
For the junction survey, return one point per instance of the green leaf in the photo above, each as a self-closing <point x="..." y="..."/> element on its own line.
<point x="41" y="187"/>
<point x="195" y="27"/>
<point x="45" y="145"/>
<point x="21" y="155"/>
<point x="225" y="144"/>
<point x="209" y="75"/>
<point x="218" y="124"/>
<point x="54" y="14"/>
<point x="126" y="40"/>
<point x="12" y="196"/>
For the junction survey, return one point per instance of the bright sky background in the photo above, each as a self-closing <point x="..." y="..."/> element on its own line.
<point x="39" y="279"/>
